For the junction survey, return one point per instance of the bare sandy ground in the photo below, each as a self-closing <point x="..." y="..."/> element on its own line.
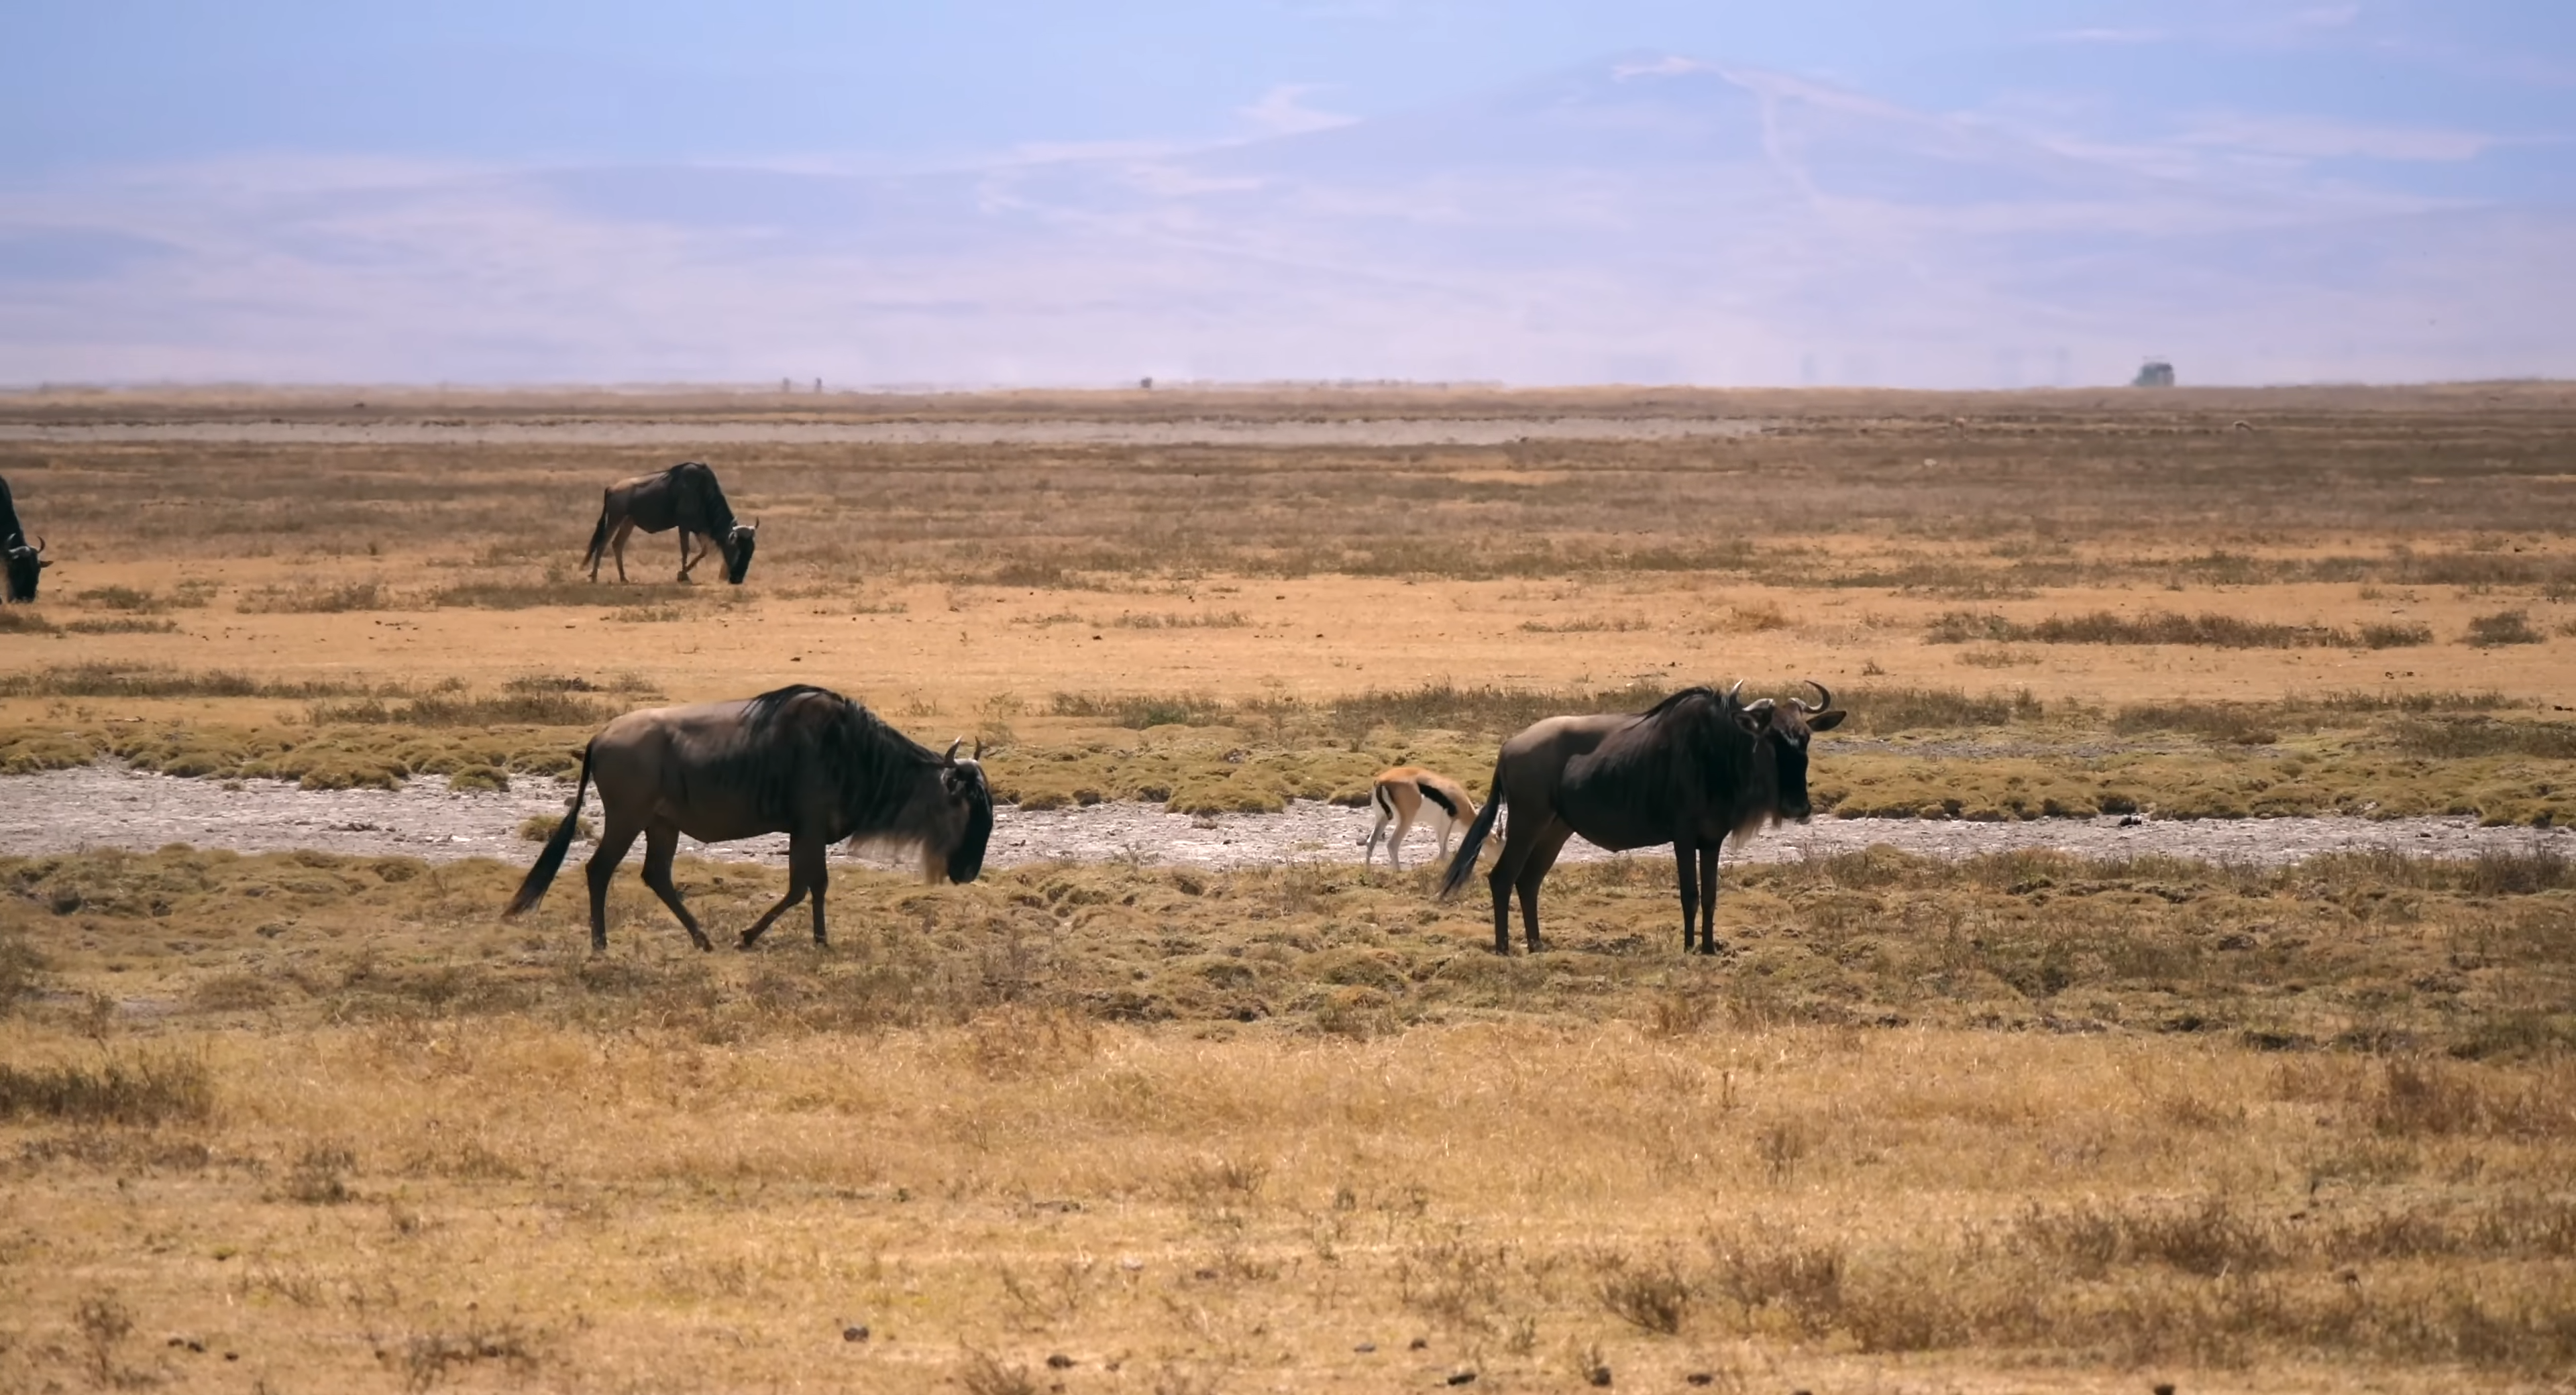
<point x="1415" y="431"/>
<point x="106" y="807"/>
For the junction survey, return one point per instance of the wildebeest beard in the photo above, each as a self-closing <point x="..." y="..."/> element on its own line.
<point x="966" y="860"/>
<point x="26" y="568"/>
<point x="737" y="544"/>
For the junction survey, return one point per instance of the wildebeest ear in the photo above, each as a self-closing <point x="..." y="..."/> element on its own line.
<point x="1826" y="721"/>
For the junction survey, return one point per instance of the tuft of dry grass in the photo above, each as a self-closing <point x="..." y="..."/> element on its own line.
<point x="540" y="709"/>
<point x="2503" y="627"/>
<point x="2208" y="629"/>
<point x="316" y="598"/>
<point x="147" y="1089"/>
<point x="113" y="680"/>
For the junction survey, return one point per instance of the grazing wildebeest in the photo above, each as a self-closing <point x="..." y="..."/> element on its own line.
<point x="25" y="564"/>
<point x="685" y="497"/>
<point x="1698" y="766"/>
<point x="1400" y="796"/>
<point x="803" y="761"/>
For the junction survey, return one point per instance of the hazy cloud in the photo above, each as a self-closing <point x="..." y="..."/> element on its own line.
<point x="1283" y="111"/>
<point x="2321" y="139"/>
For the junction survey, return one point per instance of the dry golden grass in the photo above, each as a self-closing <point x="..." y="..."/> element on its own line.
<point x="2020" y="1124"/>
<point x="2026" y="1123"/>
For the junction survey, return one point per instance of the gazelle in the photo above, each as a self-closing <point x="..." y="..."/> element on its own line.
<point x="1407" y="793"/>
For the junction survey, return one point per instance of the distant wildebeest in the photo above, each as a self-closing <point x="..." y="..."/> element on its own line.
<point x="1400" y="797"/>
<point x="803" y="761"/>
<point x="1698" y="766"/>
<point x="25" y="564"/>
<point x="685" y="497"/>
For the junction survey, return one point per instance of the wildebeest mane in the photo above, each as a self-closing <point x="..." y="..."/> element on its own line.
<point x="861" y="757"/>
<point x="700" y="500"/>
<point x="1696" y="726"/>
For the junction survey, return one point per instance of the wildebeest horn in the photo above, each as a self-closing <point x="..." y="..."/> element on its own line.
<point x="40" y="544"/>
<point x="1824" y="698"/>
<point x="1733" y="698"/>
<point x="979" y="749"/>
<point x="951" y="757"/>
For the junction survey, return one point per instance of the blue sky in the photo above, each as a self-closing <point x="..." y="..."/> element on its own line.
<point x="509" y="191"/>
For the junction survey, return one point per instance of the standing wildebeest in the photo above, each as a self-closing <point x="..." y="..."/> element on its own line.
<point x="685" y="497"/>
<point x="1700" y="765"/>
<point x="803" y="761"/>
<point x="1407" y="793"/>
<point x="25" y="564"/>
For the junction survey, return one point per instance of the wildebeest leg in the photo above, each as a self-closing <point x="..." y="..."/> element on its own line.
<point x="685" y="563"/>
<point x="1541" y="858"/>
<point x="616" y="835"/>
<point x="797" y="871"/>
<point x="808" y="854"/>
<point x="617" y="544"/>
<point x="1686" y="871"/>
<point x="1507" y="866"/>
<point x="661" y="842"/>
<point x="1707" y="898"/>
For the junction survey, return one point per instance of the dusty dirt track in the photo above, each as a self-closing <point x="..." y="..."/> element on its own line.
<point x="104" y="807"/>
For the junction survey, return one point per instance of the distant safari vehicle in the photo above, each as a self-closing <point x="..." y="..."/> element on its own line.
<point x="2155" y="372"/>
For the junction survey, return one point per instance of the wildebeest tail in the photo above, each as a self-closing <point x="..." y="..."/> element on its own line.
<point x="599" y="534"/>
<point x="1464" y="864"/>
<point x="549" y="862"/>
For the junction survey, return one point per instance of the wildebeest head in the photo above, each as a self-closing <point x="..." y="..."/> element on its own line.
<point x="26" y="565"/>
<point x="736" y="545"/>
<point x="1782" y="733"/>
<point x="966" y="823"/>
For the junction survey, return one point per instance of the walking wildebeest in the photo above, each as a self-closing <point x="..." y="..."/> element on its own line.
<point x="803" y="761"/>
<point x="685" y="497"/>
<point x="25" y="564"/>
<point x="1698" y="766"/>
<point x="1400" y="796"/>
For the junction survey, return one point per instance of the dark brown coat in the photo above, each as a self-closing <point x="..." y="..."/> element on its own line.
<point x="1697" y="767"/>
<point x="685" y="497"/>
<point x="802" y="761"/>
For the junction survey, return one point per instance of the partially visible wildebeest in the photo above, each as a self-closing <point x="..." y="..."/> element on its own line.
<point x="26" y="565"/>
<point x="1698" y="766"/>
<point x="685" y="497"/>
<point x="1407" y="793"/>
<point x="803" y="761"/>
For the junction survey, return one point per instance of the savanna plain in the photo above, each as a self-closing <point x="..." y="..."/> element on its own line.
<point x="309" y="1122"/>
